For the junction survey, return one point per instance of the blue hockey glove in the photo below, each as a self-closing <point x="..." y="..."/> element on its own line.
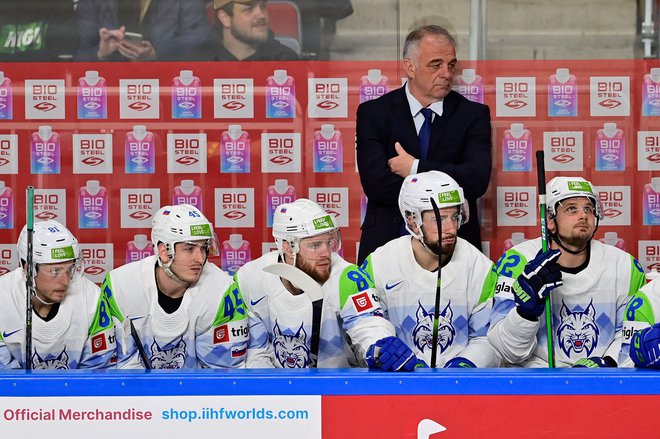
<point x="595" y="362"/>
<point x="540" y="276"/>
<point x="392" y="354"/>
<point x="645" y="347"/>
<point x="460" y="362"/>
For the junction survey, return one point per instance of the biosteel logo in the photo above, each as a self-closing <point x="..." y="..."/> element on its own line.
<point x="235" y="215"/>
<point x="139" y="106"/>
<point x="233" y="105"/>
<point x="92" y="161"/>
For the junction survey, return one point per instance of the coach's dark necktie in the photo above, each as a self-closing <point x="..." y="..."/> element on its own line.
<point x="425" y="132"/>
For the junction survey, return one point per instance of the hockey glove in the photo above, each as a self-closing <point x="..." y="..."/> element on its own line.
<point x="592" y="362"/>
<point x="645" y="347"/>
<point x="460" y="362"/>
<point x="392" y="354"/>
<point x="540" y="276"/>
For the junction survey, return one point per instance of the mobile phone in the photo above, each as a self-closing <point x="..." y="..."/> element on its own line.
<point x="133" y="37"/>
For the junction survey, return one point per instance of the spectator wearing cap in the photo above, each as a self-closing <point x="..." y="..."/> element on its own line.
<point x="243" y="34"/>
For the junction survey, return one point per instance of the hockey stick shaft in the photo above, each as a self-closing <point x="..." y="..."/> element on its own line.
<point x="540" y="167"/>
<point x="140" y="347"/>
<point x="438" y="286"/>
<point x="29" y="278"/>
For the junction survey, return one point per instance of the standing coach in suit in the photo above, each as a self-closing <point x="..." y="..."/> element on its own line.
<point x="391" y="131"/>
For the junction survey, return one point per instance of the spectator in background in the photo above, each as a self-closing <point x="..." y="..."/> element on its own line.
<point x="390" y="131"/>
<point x="37" y="30"/>
<point x="169" y="28"/>
<point x="244" y="34"/>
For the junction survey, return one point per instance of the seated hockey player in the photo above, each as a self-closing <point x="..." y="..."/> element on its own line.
<point x="329" y="318"/>
<point x="405" y="272"/>
<point x="588" y="282"/>
<point x="175" y="309"/>
<point x="641" y="328"/>
<point x="71" y="327"/>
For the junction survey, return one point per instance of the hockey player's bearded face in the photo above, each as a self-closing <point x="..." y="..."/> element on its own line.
<point x="450" y="220"/>
<point x="575" y="222"/>
<point x="315" y="253"/>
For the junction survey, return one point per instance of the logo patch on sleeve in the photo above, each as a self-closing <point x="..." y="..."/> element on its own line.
<point x="99" y="343"/>
<point x="221" y="334"/>
<point x="362" y="302"/>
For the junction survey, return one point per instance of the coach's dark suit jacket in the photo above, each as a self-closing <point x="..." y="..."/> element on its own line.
<point x="460" y="146"/>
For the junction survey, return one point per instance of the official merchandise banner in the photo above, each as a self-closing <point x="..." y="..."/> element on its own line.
<point x="107" y="144"/>
<point x="329" y="403"/>
<point x="164" y="416"/>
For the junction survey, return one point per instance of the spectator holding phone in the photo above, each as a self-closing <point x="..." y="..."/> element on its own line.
<point x="145" y="30"/>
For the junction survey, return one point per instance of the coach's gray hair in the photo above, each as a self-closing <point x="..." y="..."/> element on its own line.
<point x="416" y="35"/>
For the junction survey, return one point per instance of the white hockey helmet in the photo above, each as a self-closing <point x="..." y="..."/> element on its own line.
<point x="179" y="223"/>
<point x="417" y="190"/>
<point x="300" y="219"/>
<point x="51" y="243"/>
<point x="562" y="188"/>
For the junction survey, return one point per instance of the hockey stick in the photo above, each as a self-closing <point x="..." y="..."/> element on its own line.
<point x="29" y="280"/>
<point x="140" y="347"/>
<point x="540" y="168"/>
<point x="438" y="286"/>
<point x="298" y="278"/>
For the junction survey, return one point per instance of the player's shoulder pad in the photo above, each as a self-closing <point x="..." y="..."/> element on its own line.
<point x="232" y="306"/>
<point x="108" y="295"/>
<point x="511" y="263"/>
<point x="637" y="276"/>
<point x="640" y="309"/>
<point x="353" y="280"/>
<point x="102" y="319"/>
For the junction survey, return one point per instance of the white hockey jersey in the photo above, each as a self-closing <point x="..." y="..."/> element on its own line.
<point x="643" y="310"/>
<point x="80" y="336"/>
<point x="587" y="310"/>
<point x="407" y="293"/>
<point x="209" y="329"/>
<point x="281" y="323"/>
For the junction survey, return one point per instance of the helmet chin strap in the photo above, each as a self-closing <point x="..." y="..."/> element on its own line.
<point x="168" y="270"/>
<point x="36" y="295"/>
<point x="420" y="238"/>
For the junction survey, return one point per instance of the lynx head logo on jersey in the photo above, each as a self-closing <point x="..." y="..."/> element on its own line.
<point x="423" y="330"/>
<point x="291" y="351"/>
<point x="60" y="362"/>
<point x="173" y="358"/>
<point x="578" y="331"/>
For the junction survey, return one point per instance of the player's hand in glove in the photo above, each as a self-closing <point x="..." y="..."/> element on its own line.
<point x="645" y="347"/>
<point x="540" y="276"/>
<point x="460" y="362"/>
<point x="595" y="362"/>
<point x="392" y="354"/>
